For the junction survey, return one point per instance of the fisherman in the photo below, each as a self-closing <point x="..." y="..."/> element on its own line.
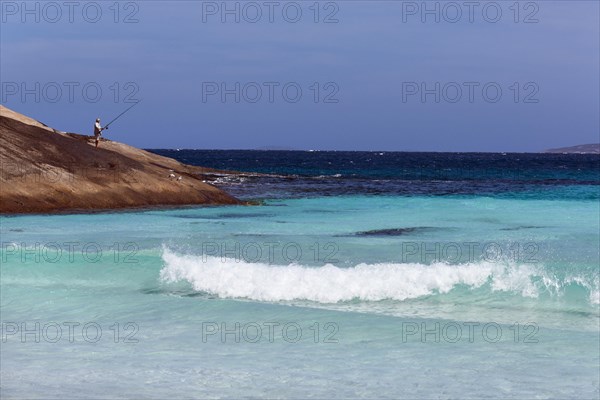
<point x="98" y="130"/>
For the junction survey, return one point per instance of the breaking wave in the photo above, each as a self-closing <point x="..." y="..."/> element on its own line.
<point x="230" y="278"/>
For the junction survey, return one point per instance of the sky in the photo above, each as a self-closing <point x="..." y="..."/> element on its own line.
<point x="331" y="75"/>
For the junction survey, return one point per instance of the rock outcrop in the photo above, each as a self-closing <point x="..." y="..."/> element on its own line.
<point x="44" y="170"/>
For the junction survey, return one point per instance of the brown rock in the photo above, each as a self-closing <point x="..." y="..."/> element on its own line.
<point x="44" y="170"/>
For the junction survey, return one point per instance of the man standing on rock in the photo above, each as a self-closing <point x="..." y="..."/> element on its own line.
<point x="98" y="130"/>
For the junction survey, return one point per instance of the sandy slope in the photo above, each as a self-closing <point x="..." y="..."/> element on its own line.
<point x="45" y="170"/>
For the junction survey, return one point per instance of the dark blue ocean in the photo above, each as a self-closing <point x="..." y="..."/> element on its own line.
<point x="335" y="173"/>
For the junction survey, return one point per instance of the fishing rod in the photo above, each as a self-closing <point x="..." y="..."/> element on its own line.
<point x="119" y="116"/>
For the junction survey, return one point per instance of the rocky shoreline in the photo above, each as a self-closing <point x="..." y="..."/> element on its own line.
<point x="44" y="170"/>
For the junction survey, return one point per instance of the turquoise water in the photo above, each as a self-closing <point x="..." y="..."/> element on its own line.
<point x="335" y="297"/>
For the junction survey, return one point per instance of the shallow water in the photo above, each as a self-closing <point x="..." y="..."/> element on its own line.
<point x="463" y="295"/>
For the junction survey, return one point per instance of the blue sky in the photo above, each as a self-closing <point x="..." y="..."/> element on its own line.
<point x="360" y="70"/>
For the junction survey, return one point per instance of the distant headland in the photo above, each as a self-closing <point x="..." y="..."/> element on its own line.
<point x="593" y="148"/>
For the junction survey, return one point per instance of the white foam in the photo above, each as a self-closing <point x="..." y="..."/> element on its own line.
<point x="330" y="284"/>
